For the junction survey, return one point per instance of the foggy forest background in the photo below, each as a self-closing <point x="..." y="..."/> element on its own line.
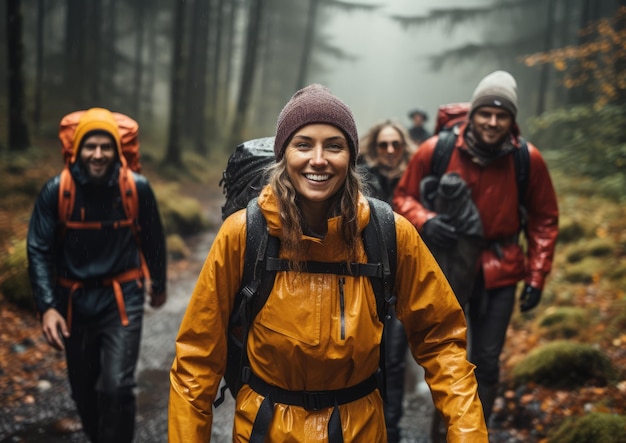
<point x="203" y="75"/>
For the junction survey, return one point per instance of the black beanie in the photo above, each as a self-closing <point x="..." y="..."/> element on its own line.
<point x="314" y="104"/>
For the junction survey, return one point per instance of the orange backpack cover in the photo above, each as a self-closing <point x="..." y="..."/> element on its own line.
<point x="129" y="140"/>
<point x="451" y="114"/>
<point x="129" y="136"/>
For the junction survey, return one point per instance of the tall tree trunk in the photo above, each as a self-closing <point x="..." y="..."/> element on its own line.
<point x="74" y="53"/>
<point x="198" y="65"/>
<point x="110" y="49"/>
<point x="225" y="84"/>
<point x="192" y="38"/>
<point x="39" y="64"/>
<point x="581" y="95"/>
<point x="18" y="131"/>
<point x="195" y="102"/>
<point x="544" y="75"/>
<point x="213" y="88"/>
<point x="568" y="29"/>
<point x="307" y="49"/>
<point x="255" y="17"/>
<point x="264" y="109"/>
<point x="173" y="154"/>
<point x="620" y="62"/>
<point x="140" y="10"/>
<point x="152" y="56"/>
<point x="93" y="52"/>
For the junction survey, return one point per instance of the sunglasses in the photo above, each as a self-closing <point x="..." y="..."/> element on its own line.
<point x="395" y="145"/>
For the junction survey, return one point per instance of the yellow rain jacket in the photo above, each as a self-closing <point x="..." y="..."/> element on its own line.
<point x="296" y="341"/>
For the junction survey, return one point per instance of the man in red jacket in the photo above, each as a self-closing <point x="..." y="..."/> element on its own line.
<point x="483" y="155"/>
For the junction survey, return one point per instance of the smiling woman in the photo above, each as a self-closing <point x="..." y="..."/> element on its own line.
<point x="317" y="164"/>
<point x="313" y="349"/>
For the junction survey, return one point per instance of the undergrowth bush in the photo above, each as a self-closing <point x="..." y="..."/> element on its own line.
<point x="563" y="322"/>
<point x="14" y="281"/>
<point x="589" y="142"/>
<point x="593" y="428"/>
<point x="181" y="215"/>
<point x="564" y="364"/>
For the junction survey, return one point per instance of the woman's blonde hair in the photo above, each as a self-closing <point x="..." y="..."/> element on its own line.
<point x="345" y="203"/>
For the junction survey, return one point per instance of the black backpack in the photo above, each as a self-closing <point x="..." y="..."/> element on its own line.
<point x="246" y="173"/>
<point x="261" y="260"/>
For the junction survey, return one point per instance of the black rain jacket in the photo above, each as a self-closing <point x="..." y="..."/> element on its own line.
<point x="91" y="255"/>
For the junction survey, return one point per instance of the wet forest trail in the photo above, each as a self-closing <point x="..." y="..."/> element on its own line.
<point x="32" y="415"/>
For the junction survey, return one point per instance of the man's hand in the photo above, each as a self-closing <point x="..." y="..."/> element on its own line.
<point x="158" y="300"/>
<point x="54" y="325"/>
<point x="529" y="298"/>
<point x="439" y="232"/>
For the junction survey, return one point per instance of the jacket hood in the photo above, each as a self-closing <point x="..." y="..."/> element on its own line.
<point x="96" y="119"/>
<point x="269" y="206"/>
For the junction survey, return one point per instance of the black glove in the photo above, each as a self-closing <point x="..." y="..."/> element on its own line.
<point x="529" y="298"/>
<point x="439" y="232"/>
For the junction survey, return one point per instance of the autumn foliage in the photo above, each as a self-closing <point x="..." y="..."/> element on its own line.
<point x="598" y="63"/>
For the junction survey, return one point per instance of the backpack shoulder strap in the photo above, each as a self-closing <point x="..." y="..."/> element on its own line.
<point x="256" y="285"/>
<point x="259" y="246"/>
<point x="521" y="159"/>
<point x="443" y="152"/>
<point x="128" y="192"/>
<point x="379" y="239"/>
<point x="130" y="202"/>
<point x="256" y="281"/>
<point x="445" y="147"/>
<point x="67" y="194"/>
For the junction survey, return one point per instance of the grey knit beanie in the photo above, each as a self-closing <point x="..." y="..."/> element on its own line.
<point x="314" y="104"/>
<point x="497" y="89"/>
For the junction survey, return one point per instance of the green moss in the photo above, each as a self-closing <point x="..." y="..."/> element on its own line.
<point x="176" y="247"/>
<point x="570" y="230"/>
<point x="592" y="428"/>
<point x="562" y="322"/>
<point x="181" y="215"/>
<point x="584" y="270"/>
<point x="597" y="247"/>
<point x="617" y="272"/>
<point x="564" y="364"/>
<point x="15" y="284"/>
<point x="617" y="323"/>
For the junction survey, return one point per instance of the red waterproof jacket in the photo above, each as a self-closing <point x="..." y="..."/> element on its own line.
<point x="494" y="192"/>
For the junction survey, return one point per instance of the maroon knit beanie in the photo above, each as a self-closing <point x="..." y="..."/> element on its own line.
<point x="314" y="104"/>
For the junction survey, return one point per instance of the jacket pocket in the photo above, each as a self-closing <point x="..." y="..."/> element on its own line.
<point x="504" y="268"/>
<point x="293" y="308"/>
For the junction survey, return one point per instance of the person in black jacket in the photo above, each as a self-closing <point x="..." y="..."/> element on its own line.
<point x="385" y="151"/>
<point x="88" y="279"/>
<point x="417" y="131"/>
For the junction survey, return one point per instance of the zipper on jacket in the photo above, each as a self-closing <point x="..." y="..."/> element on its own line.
<point x="342" y="306"/>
